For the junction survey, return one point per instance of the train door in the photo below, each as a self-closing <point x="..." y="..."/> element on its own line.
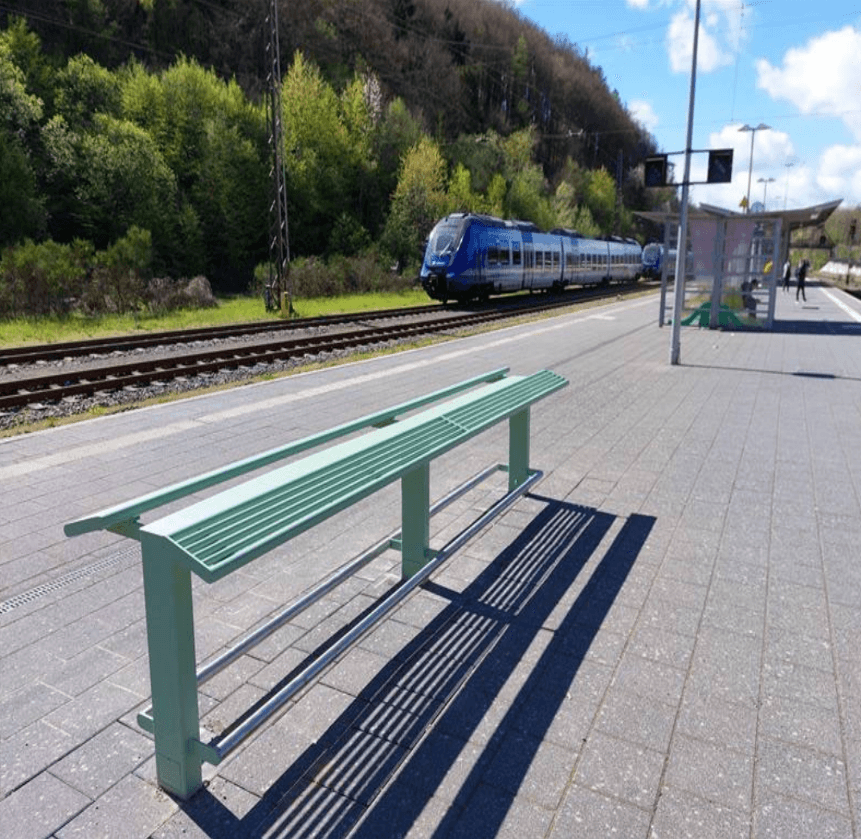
<point x="570" y="256"/>
<point x="528" y="274"/>
<point x="496" y="260"/>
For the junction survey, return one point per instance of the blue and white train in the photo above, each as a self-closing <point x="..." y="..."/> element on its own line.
<point x="471" y="256"/>
<point x="654" y="257"/>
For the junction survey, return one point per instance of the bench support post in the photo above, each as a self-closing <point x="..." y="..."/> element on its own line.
<point x="518" y="449"/>
<point x="415" y="520"/>
<point x="170" y="639"/>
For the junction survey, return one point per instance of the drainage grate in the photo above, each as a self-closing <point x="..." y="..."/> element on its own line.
<point x="121" y="556"/>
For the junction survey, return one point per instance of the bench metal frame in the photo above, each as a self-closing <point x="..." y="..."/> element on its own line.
<point x="168" y="559"/>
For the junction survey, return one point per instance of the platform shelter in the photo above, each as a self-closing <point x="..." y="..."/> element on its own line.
<point x="734" y="262"/>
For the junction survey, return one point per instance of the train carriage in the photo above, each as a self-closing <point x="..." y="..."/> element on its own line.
<point x="470" y="256"/>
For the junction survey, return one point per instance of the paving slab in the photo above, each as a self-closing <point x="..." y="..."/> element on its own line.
<point x="661" y="640"/>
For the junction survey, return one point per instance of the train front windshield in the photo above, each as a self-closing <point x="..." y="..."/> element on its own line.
<point x="651" y="254"/>
<point x="446" y="237"/>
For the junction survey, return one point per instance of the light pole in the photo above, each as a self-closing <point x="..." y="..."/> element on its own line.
<point x="682" y="251"/>
<point x="761" y="127"/>
<point x="765" y="182"/>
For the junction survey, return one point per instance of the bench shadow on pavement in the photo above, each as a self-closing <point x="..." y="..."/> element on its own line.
<point x="416" y="715"/>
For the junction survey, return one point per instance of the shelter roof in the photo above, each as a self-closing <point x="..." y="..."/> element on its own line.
<point x="792" y="219"/>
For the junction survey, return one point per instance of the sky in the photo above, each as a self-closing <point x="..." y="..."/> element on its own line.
<point x="791" y="65"/>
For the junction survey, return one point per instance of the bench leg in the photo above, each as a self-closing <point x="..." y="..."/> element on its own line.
<point x="415" y="520"/>
<point x="518" y="449"/>
<point x="170" y="639"/>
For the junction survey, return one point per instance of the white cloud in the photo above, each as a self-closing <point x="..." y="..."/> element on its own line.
<point x="836" y="174"/>
<point x="823" y="76"/>
<point x="644" y="113"/>
<point x="839" y="173"/>
<point x="721" y="35"/>
<point x="772" y="150"/>
<point x="638" y="4"/>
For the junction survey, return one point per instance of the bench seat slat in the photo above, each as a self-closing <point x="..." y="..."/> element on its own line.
<point x="286" y="505"/>
<point x="219" y="534"/>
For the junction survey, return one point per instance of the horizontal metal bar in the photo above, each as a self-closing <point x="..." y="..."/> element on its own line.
<point x="335" y="579"/>
<point x="230" y="741"/>
<point x="250" y="641"/>
<point x="212" y="668"/>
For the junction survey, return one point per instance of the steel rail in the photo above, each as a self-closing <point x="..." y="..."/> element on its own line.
<point x="54" y="387"/>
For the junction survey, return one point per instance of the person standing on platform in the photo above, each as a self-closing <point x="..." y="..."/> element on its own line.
<point x="787" y="274"/>
<point x="802" y="277"/>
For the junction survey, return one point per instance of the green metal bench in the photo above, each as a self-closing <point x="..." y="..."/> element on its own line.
<point x="220" y="534"/>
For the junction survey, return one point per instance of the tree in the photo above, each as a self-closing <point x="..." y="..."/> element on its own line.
<point x="525" y="199"/>
<point x="230" y="202"/>
<point x="22" y="212"/>
<point x="85" y="89"/>
<point x="601" y="198"/>
<point x="214" y="142"/>
<point x="19" y="109"/>
<point x="21" y="208"/>
<point x="320" y="160"/>
<point x="418" y="203"/>
<point x="124" y="181"/>
<point x="460" y="194"/>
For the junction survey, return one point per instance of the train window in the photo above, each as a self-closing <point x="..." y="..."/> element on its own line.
<point x="555" y="259"/>
<point x="504" y="256"/>
<point x="492" y="256"/>
<point x="515" y="256"/>
<point x="548" y="259"/>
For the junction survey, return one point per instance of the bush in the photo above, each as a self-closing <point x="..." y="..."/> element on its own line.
<point x="118" y="278"/>
<point x="43" y="278"/>
<point x="340" y="275"/>
<point x="52" y="278"/>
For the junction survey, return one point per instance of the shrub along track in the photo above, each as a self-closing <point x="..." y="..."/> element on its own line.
<point x="161" y="363"/>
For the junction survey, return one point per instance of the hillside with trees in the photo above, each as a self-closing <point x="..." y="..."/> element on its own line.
<point x="140" y="128"/>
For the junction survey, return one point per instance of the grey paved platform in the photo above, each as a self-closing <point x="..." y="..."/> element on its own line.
<point x="661" y="641"/>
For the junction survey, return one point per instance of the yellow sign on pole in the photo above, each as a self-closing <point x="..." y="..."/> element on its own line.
<point x="743" y="202"/>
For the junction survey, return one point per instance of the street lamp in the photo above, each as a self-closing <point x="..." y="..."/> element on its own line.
<point x="761" y="127"/>
<point x="765" y="182"/>
<point x="682" y="251"/>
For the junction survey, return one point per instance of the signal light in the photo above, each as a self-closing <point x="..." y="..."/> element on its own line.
<point x="720" y="166"/>
<point x="656" y="170"/>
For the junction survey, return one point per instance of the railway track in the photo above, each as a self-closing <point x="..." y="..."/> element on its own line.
<point x="123" y="343"/>
<point x="17" y="393"/>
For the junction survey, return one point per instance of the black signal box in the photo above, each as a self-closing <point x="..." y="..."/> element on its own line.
<point x="720" y="166"/>
<point x="656" y="170"/>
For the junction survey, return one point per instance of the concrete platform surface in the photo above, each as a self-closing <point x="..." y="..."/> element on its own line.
<point x="662" y="640"/>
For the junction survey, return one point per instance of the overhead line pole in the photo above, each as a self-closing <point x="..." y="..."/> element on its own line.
<point x="682" y="250"/>
<point x="279" y="239"/>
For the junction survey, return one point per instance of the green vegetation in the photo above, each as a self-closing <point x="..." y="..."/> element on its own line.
<point x="75" y="326"/>
<point x="134" y="144"/>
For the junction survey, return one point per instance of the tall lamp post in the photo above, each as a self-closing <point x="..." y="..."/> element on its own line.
<point x="765" y="182"/>
<point x="761" y="127"/>
<point x="682" y="251"/>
